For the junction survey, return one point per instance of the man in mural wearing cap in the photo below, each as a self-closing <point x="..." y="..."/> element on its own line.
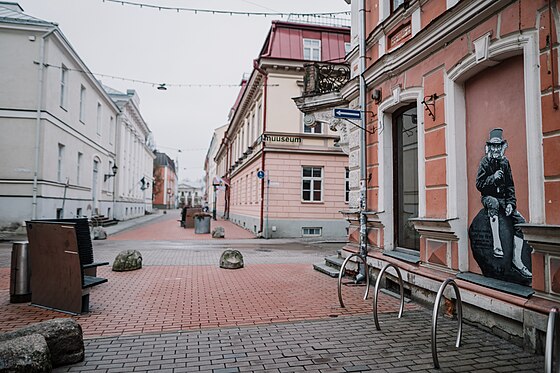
<point x="495" y="182"/>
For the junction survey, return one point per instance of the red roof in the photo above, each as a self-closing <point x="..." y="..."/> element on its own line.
<point x="285" y="41"/>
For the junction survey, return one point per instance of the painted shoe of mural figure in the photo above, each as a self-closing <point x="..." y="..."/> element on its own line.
<point x="498" y="252"/>
<point x="517" y="262"/>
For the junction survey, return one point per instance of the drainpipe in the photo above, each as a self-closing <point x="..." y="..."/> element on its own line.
<point x="363" y="139"/>
<point x="38" y="119"/>
<point x="264" y="73"/>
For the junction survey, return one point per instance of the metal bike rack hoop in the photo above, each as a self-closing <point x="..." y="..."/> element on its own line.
<point x="435" y="314"/>
<point x="376" y="293"/>
<point x="552" y="348"/>
<point x="341" y="273"/>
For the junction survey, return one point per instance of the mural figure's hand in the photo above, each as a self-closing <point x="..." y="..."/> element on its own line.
<point x="509" y="209"/>
<point x="498" y="174"/>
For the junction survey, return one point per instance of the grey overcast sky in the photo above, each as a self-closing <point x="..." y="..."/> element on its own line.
<point x="174" y="48"/>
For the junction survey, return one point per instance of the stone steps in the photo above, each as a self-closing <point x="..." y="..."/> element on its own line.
<point x="331" y="266"/>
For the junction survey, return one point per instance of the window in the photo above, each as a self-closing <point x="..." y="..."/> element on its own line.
<point x="312" y="184"/>
<point x="312" y="231"/>
<point x="111" y="130"/>
<point x="99" y="115"/>
<point x="79" y="167"/>
<point x="347" y="48"/>
<point x="312" y="49"/>
<point x="63" y="85"/>
<point x="82" y="103"/>
<point x="60" y="163"/>
<point x="78" y="212"/>
<point x="395" y="4"/>
<point x="316" y="128"/>
<point x="347" y="185"/>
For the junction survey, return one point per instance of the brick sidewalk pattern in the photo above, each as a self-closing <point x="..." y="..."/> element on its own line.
<point x="347" y="344"/>
<point x="182" y="313"/>
<point x="167" y="228"/>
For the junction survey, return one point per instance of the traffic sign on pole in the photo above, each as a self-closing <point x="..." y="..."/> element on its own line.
<point x="346" y="113"/>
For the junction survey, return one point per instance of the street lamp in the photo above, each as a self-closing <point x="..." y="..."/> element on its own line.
<point x="114" y="169"/>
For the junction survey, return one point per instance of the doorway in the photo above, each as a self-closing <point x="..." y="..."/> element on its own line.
<point x="405" y="173"/>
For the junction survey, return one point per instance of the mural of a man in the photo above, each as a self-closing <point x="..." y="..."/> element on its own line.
<point x="494" y="180"/>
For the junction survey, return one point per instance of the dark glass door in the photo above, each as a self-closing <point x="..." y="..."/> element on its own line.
<point x="405" y="171"/>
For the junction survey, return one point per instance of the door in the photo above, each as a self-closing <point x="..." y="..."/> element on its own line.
<point x="405" y="171"/>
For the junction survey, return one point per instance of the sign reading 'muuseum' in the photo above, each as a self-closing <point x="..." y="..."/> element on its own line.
<point x="269" y="138"/>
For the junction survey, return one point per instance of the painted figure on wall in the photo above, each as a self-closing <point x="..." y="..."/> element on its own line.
<point x="509" y="257"/>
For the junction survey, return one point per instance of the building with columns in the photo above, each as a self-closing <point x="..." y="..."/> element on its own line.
<point x="135" y="158"/>
<point x="63" y="135"/>
<point x="463" y="178"/>
<point x="283" y="178"/>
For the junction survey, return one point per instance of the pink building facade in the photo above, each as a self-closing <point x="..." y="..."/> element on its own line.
<point x="285" y="179"/>
<point x="447" y="82"/>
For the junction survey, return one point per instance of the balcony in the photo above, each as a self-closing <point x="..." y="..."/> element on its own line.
<point x="323" y="78"/>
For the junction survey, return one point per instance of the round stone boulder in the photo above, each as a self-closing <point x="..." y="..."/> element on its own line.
<point x="127" y="260"/>
<point x="25" y="354"/>
<point x="218" y="232"/>
<point x="231" y="259"/>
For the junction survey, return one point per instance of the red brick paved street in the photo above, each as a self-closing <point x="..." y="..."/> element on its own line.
<point x="193" y="296"/>
<point x="167" y="228"/>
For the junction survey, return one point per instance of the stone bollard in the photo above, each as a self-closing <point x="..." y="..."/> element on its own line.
<point x="231" y="259"/>
<point x="99" y="233"/>
<point x="25" y="354"/>
<point x="127" y="260"/>
<point x="218" y="232"/>
<point x="64" y="338"/>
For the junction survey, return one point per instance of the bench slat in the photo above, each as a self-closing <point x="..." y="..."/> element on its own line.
<point x="93" y="265"/>
<point x="90" y="281"/>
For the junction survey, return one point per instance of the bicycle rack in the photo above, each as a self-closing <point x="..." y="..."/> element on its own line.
<point x="377" y="293"/>
<point x="435" y="314"/>
<point x="552" y="347"/>
<point x="341" y="273"/>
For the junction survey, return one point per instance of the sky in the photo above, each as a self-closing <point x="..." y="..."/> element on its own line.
<point x="175" y="48"/>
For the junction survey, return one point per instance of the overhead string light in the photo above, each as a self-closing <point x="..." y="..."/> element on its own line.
<point x="230" y="12"/>
<point x="159" y="86"/>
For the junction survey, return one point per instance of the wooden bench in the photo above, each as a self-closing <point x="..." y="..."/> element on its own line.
<point x="62" y="266"/>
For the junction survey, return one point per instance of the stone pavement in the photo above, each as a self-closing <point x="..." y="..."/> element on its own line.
<point x="181" y="313"/>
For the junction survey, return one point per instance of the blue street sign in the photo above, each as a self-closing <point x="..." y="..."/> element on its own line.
<point x="346" y="113"/>
<point x="260" y="174"/>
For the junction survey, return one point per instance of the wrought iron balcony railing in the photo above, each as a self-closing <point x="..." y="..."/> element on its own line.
<point x="322" y="78"/>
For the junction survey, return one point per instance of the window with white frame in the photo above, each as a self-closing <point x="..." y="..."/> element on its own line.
<point x="63" y="85"/>
<point x="347" y="48"/>
<point x="312" y="49"/>
<point x="396" y="3"/>
<point x="79" y="167"/>
<point x="347" y="185"/>
<point x="82" y="103"/>
<point x="317" y="127"/>
<point x="99" y="118"/>
<point x="60" y="163"/>
<point x="312" y="184"/>
<point x="111" y="130"/>
<point x="312" y="231"/>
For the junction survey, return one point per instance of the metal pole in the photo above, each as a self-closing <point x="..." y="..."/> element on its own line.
<point x="266" y="217"/>
<point x="363" y="138"/>
<point x="64" y="197"/>
<point x="214" y="202"/>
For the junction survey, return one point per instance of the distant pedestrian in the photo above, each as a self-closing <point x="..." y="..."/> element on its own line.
<point x="184" y="217"/>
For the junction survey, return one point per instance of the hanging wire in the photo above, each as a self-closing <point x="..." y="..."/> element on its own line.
<point x="161" y="86"/>
<point x="230" y="12"/>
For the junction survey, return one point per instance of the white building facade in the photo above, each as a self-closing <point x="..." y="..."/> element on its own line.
<point x="59" y="138"/>
<point x="135" y="158"/>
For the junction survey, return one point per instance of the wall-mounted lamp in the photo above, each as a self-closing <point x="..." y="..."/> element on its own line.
<point x="144" y="184"/>
<point x="114" y="169"/>
<point x="376" y="96"/>
<point x="162" y="87"/>
<point x="430" y="105"/>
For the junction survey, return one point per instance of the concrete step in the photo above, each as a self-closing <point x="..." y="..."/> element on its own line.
<point x="334" y="261"/>
<point x="328" y="270"/>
